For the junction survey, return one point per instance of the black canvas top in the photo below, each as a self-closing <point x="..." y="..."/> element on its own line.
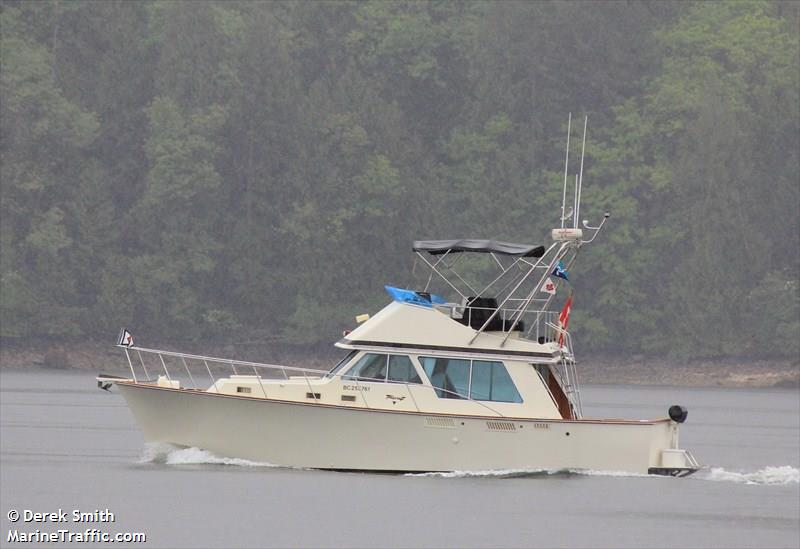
<point x="438" y="247"/>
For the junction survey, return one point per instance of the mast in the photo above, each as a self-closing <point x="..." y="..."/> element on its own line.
<point x="566" y="166"/>
<point x="579" y="183"/>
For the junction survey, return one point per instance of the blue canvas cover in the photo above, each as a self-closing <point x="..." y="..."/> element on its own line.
<point x="410" y="296"/>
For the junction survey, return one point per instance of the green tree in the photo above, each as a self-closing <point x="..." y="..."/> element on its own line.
<point x="161" y="281"/>
<point x="715" y="195"/>
<point x="44" y="151"/>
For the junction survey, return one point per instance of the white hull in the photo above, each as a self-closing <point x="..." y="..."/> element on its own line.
<point x="334" y="437"/>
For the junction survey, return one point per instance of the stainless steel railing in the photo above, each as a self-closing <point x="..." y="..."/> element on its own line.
<point x="567" y="369"/>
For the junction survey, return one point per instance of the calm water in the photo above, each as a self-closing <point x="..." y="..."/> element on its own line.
<point x="67" y="445"/>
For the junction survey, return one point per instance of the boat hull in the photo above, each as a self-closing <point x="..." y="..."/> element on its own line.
<point x="332" y="437"/>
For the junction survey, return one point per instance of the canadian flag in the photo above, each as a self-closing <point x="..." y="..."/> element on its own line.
<point x="549" y="287"/>
<point x="563" y="320"/>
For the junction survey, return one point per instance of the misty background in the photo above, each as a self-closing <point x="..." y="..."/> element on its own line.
<point x="257" y="171"/>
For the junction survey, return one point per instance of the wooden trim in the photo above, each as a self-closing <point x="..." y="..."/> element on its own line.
<point x="562" y="402"/>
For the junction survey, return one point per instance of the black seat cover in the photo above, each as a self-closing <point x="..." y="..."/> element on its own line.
<point x="478" y="311"/>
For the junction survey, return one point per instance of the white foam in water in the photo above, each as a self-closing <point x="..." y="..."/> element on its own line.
<point x="156" y="452"/>
<point x="174" y="455"/>
<point x="520" y="473"/>
<point x="766" y="476"/>
<point x="785" y="474"/>
<point x="169" y="454"/>
<point x="593" y="473"/>
<point x="502" y="473"/>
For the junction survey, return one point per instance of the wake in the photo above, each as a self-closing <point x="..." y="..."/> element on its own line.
<point x="526" y="473"/>
<point x="773" y="476"/>
<point x="168" y="454"/>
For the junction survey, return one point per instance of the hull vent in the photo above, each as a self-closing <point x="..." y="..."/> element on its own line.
<point x="500" y="426"/>
<point x="440" y="422"/>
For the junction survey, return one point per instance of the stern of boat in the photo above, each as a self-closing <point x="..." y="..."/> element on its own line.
<point x="675" y="462"/>
<point x="671" y="460"/>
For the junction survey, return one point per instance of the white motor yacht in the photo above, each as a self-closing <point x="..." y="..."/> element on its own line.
<point x="482" y="379"/>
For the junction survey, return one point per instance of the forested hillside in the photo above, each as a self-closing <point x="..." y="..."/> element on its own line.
<point x="249" y="171"/>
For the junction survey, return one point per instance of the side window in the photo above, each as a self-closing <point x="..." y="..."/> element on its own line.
<point x="480" y="379"/>
<point x="544" y="371"/>
<point x="370" y="367"/>
<point x="449" y="376"/>
<point x="401" y="369"/>
<point x="342" y="363"/>
<point x="490" y="381"/>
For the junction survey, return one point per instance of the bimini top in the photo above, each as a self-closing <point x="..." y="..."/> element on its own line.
<point x="438" y="247"/>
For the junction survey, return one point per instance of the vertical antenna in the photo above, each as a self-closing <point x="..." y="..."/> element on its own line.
<point x="566" y="164"/>
<point x="580" y="180"/>
<point x="575" y="201"/>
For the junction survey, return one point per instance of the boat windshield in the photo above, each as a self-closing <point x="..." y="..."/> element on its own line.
<point x="342" y="363"/>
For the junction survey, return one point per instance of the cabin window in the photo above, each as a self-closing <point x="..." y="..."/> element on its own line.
<point x="342" y="363"/>
<point x="380" y="368"/>
<point x="480" y="379"/>
<point x="370" y="367"/>
<point x="490" y="381"/>
<point x="449" y="376"/>
<point x="544" y="371"/>
<point x="401" y="369"/>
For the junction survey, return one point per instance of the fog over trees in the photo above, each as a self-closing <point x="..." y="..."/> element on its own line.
<point x="252" y="171"/>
